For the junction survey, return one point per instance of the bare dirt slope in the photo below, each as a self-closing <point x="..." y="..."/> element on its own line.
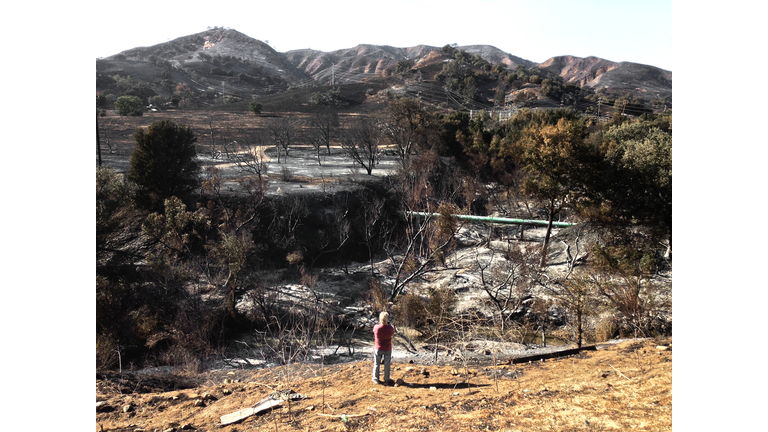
<point x="625" y="386"/>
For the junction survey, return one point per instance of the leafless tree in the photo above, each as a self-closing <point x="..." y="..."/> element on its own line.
<point x="573" y="291"/>
<point x="417" y="243"/>
<point x="504" y="276"/>
<point x="283" y="134"/>
<point x="249" y="155"/>
<point x="334" y="238"/>
<point x="404" y="124"/>
<point x="372" y="212"/>
<point x="212" y="141"/>
<point x="577" y="296"/>
<point x="638" y="300"/>
<point x="106" y="134"/>
<point x="361" y="143"/>
<point x="326" y="125"/>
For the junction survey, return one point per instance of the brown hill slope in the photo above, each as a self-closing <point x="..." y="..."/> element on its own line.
<point x="493" y="55"/>
<point x="354" y="64"/>
<point x="644" y="80"/>
<point x="366" y="61"/>
<point x="625" y="386"/>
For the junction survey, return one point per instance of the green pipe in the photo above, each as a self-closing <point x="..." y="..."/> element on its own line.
<point x="489" y="219"/>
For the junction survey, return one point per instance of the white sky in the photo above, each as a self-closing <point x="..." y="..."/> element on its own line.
<point x="627" y="30"/>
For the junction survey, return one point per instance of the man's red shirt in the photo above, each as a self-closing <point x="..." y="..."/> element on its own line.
<point x="383" y="337"/>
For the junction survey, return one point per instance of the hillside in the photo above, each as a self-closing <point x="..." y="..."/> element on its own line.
<point x="623" y="386"/>
<point x="354" y="64"/>
<point x="222" y="66"/>
<point x="643" y="80"/>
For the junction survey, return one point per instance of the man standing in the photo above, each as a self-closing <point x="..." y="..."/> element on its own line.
<point x="382" y="350"/>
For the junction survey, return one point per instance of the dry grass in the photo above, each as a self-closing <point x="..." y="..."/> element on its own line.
<point x="627" y="386"/>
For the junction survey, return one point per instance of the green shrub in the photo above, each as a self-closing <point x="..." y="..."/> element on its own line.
<point x="168" y="84"/>
<point x="164" y="162"/>
<point x="104" y="81"/>
<point x="157" y="101"/>
<point x="129" y="106"/>
<point x="101" y="100"/>
<point x="255" y="107"/>
<point x="217" y="71"/>
<point x="330" y="98"/>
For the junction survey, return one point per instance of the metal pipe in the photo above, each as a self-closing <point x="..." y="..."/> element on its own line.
<point x="498" y="220"/>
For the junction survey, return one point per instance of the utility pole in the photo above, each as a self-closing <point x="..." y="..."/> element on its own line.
<point x="599" y="101"/>
<point x="98" y="142"/>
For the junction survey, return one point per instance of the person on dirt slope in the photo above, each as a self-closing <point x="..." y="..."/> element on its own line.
<point x="382" y="349"/>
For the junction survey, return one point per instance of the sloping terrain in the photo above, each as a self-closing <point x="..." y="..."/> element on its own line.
<point x="220" y="66"/>
<point x="493" y="55"/>
<point x="367" y="61"/>
<point x="619" y="387"/>
<point x="354" y="64"/>
<point x="216" y="61"/>
<point x="625" y="77"/>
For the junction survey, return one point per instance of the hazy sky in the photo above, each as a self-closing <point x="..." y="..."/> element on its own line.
<point x="616" y="30"/>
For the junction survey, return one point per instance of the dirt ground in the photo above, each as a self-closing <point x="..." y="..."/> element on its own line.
<point x="625" y="386"/>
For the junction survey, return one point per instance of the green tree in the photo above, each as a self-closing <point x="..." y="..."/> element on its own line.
<point x="638" y="180"/>
<point x="101" y="100"/>
<point x="330" y="98"/>
<point x="551" y="156"/>
<point x="116" y="219"/>
<point x="403" y="66"/>
<point x="499" y="96"/>
<point x="255" y="107"/>
<point x="129" y="106"/>
<point x="164" y="162"/>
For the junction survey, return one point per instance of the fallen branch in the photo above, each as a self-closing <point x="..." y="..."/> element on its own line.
<point x="348" y="415"/>
<point x="263" y="405"/>
<point x="617" y="371"/>
<point x="552" y="355"/>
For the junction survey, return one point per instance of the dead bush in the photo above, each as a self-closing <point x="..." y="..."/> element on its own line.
<point x="605" y="329"/>
<point x="376" y="297"/>
<point x="410" y="311"/>
<point x="106" y="353"/>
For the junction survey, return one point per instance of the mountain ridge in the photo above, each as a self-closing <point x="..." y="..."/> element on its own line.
<point x="225" y="61"/>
